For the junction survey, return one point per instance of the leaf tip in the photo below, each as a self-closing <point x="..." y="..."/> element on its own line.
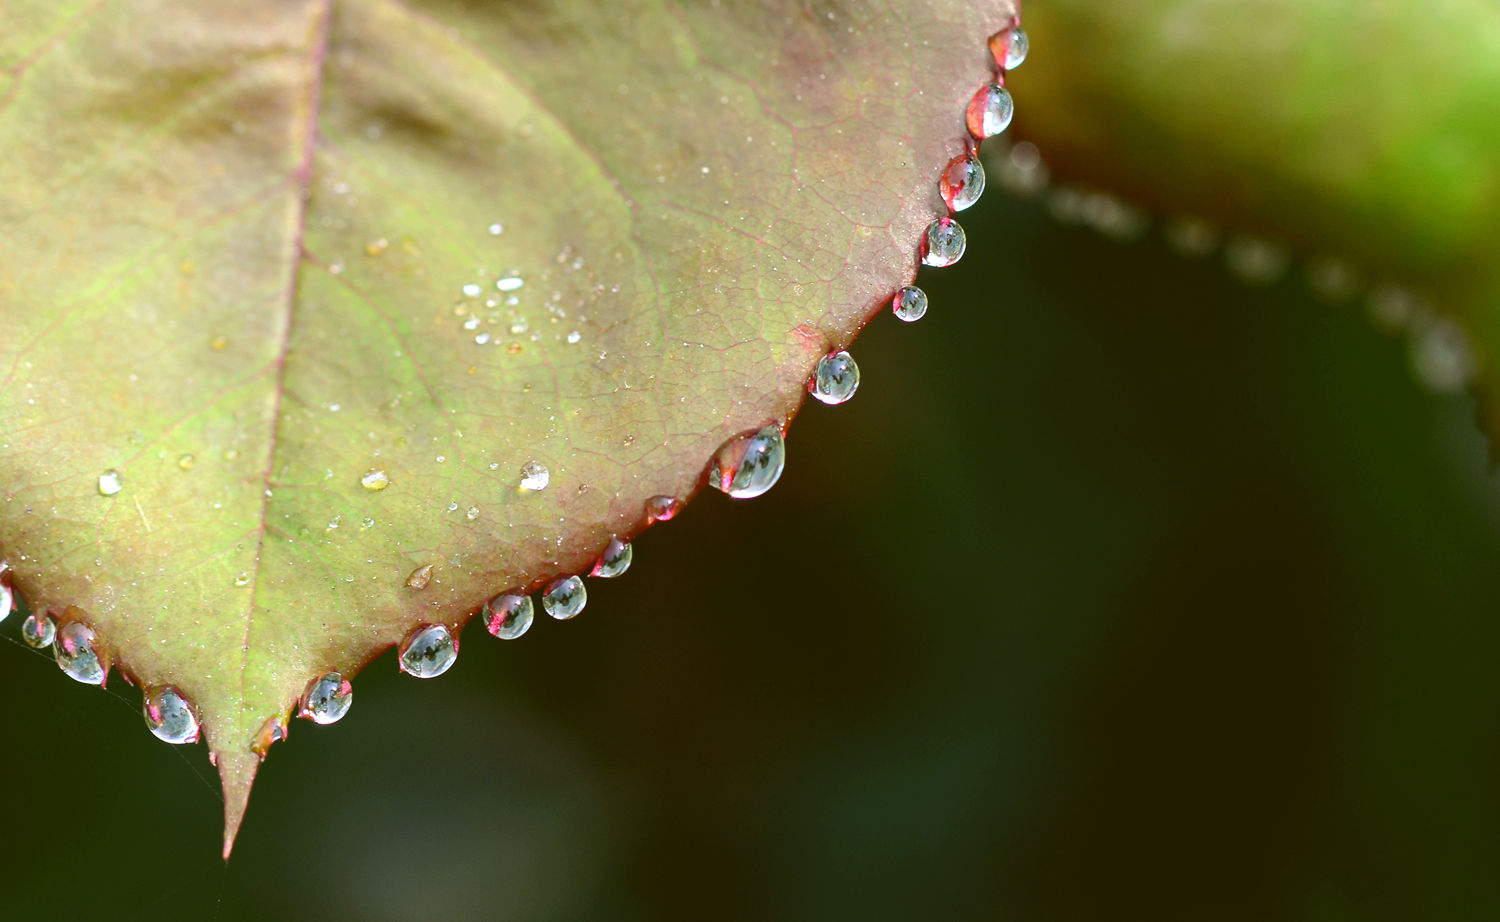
<point x="237" y="770"/>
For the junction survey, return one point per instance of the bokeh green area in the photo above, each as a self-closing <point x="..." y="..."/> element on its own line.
<point x="1120" y="591"/>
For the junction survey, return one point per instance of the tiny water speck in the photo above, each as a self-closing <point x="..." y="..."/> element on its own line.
<point x="496" y="229"/>
<point x="429" y="651"/>
<point x="750" y="464"/>
<point x="662" y="509"/>
<point x="836" y="379"/>
<point x="111" y="482"/>
<point x="78" y="655"/>
<point x="565" y="597"/>
<point x="535" y="477"/>
<point x="962" y="182"/>
<point x="242" y="579"/>
<point x="170" y="717"/>
<point x="472" y="290"/>
<point x="375" y="481"/>
<point x="944" y="243"/>
<point x="327" y="699"/>
<point x="909" y="304"/>
<point x="990" y="111"/>
<point x="614" y="561"/>
<point x="38" y="632"/>
<point x="185" y="462"/>
<point x="420" y="577"/>
<point x="508" y="616"/>
<point x="472" y="513"/>
<point x="509" y="283"/>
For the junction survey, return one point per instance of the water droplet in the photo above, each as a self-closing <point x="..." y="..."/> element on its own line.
<point x="1009" y="46"/>
<point x="962" y="182"/>
<point x="565" y="597"/>
<point x="749" y="464"/>
<point x="509" y="283"/>
<point x="990" y="111"/>
<point x="185" y="462"/>
<point x="38" y="632"/>
<point x="909" y="304"/>
<point x="535" y="476"/>
<point x="78" y="655"/>
<point x="375" y="481"/>
<point x="472" y="290"/>
<point x="366" y="523"/>
<point x="1256" y="261"/>
<point x="944" y="243"/>
<point x="574" y="337"/>
<point x="420" y="577"/>
<point x="377" y="246"/>
<point x="836" y="379"/>
<point x="614" y="561"/>
<point x="662" y="509"/>
<point x="327" y="698"/>
<point x="170" y="717"/>
<point x="428" y="651"/>
<point x="272" y="731"/>
<point x="496" y="229"/>
<point x="508" y="616"/>
<point x="111" y="482"/>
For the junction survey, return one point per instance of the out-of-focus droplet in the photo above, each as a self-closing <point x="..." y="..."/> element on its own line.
<point x="749" y="464"/>
<point x="78" y="654"/>
<point x="944" y="242"/>
<point x="962" y="182"/>
<point x="1442" y="355"/>
<point x="327" y="699"/>
<point x="909" y="304"/>
<point x="662" y="509"/>
<point x="508" y="615"/>
<point x="565" y="597"/>
<point x="111" y="482"/>
<point x="429" y="651"/>
<point x="185" y="462"/>
<point x="420" y="577"/>
<point x="535" y="476"/>
<point x="614" y="561"/>
<point x="375" y="481"/>
<point x="170" y="717"/>
<point x="1191" y="236"/>
<point x="38" y="631"/>
<point x="836" y="378"/>
<point x="990" y="111"/>
<point x="1256" y="261"/>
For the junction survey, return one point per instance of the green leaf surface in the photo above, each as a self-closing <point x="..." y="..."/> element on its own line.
<point x="235" y="239"/>
<point x="1358" y="129"/>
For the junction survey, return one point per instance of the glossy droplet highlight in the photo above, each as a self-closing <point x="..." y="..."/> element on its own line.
<point x="7" y="595"/>
<point x="327" y="699"/>
<point x="990" y="111"/>
<point x="962" y="182"/>
<point x="614" y="561"/>
<point x="662" y="509"/>
<point x="375" y="481"/>
<point x="508" y="616"/>
<point x="429" y="651"/>
<point x="170" y="718"/>
<point x="909" y="304"/>
<point x="565" y="598"/>
<point x="77" y="652"/>
<point x="944" y="243"/>
<point x="836" y="379"/>
<point x="111" y="482"/>
<point x="750" y="464"/>
<point x="38" y="631"/>
<point x="535" y="476"/>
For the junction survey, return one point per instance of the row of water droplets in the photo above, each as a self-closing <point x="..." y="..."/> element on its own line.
<point x="1440" y="350"/>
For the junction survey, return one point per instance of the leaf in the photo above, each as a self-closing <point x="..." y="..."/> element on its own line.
<point x="1370" y="131"/>
<point x="248" y="401"/>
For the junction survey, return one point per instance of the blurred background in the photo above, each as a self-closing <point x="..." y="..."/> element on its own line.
<point x="1122" y="590"/>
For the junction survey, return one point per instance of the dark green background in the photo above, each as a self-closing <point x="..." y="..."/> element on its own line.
<point x="1120" y="591"/>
